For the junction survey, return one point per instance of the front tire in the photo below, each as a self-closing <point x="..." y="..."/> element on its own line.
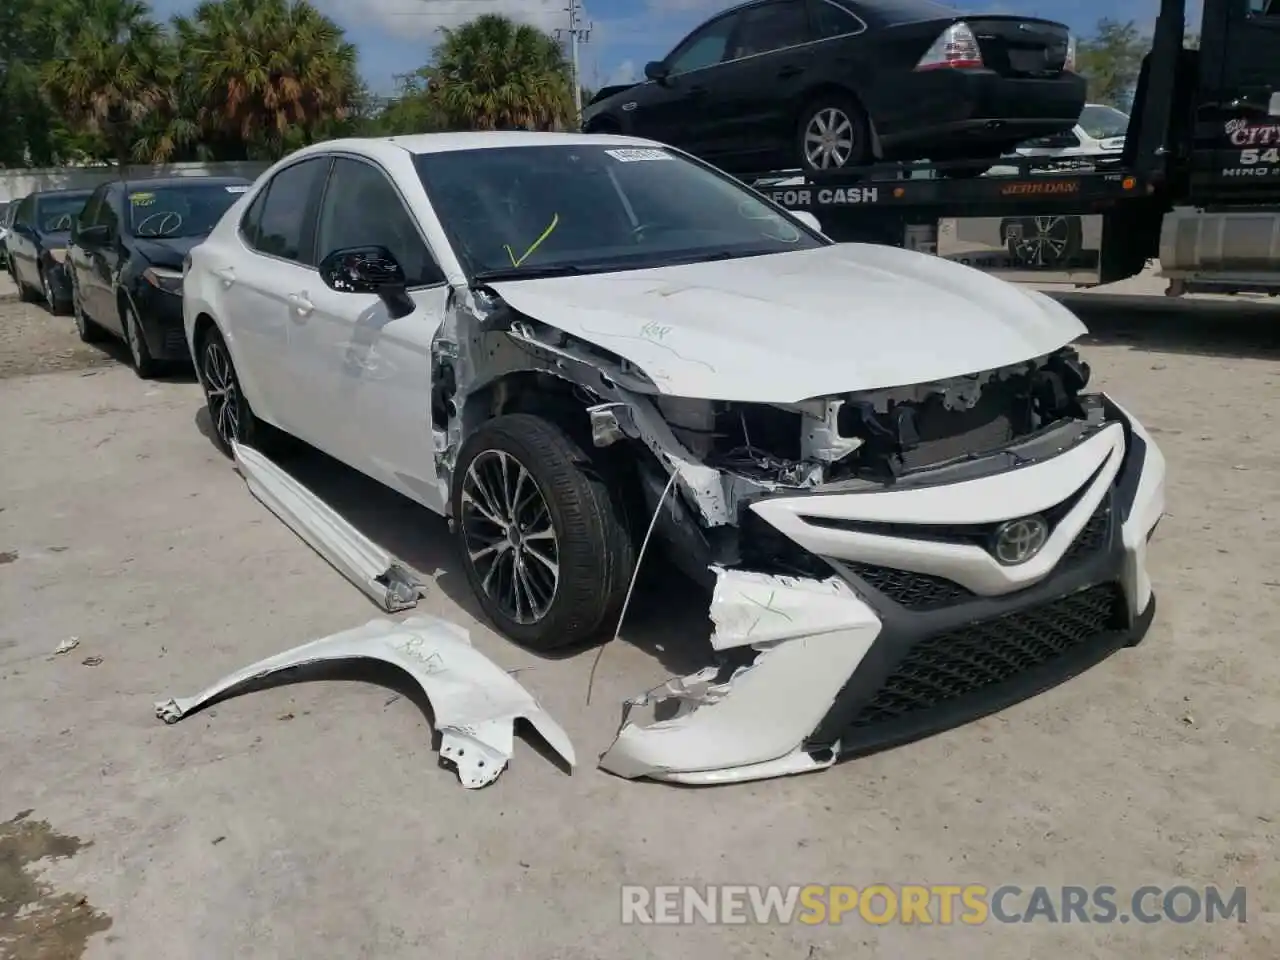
<point x="89" y="331"/>
<point x="46" y="291"/>
<point x="229" y="411"/>
<point x="144" y="365"/>
<point x="541" y="535"/>
<point x="833" y="134"/>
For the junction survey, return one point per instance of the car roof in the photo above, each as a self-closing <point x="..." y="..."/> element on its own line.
<point x="425" y="143"/>
<point x="162" y="182"/>
<point x="71" y="192"/>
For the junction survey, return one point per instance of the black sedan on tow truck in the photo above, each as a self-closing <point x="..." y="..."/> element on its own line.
<point x="126" y="254"/>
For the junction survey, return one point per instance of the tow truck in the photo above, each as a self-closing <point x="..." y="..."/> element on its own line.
<point x="1196" y="187"/>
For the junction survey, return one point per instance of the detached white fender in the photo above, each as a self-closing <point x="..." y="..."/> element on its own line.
<point x="475" y="702"/>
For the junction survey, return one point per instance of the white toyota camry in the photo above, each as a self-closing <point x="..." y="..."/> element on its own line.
<point x="889" y="468"/>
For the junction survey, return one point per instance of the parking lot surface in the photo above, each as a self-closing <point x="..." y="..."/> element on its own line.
<point x="313" y="820"/>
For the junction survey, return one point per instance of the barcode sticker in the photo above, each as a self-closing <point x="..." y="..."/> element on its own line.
<point x="634" y="154"/>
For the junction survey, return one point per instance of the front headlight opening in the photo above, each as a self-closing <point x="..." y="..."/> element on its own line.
<point x="170" y="281"/>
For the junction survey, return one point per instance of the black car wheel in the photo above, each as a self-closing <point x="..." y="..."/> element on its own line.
<point x="832" y="134"/>
<point x="24" y="293"/>
<point x="144" y="365"/>
<point x="1044" y="242"/>
<point x="89" y="331"/>
<point x="541" y="536"/>
<point x="229" y="411"/>
<point x="46" y="291"/>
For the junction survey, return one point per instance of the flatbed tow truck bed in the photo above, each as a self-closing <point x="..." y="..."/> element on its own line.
<point x="1197" y="186"/>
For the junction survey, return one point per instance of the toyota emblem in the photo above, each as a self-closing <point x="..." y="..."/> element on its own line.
<point x="1017" y="541"/>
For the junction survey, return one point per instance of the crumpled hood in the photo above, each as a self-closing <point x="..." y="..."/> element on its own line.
<point x="788" y="327"/>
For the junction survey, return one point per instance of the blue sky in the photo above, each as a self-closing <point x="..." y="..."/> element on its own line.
<point x="396" y="36"/>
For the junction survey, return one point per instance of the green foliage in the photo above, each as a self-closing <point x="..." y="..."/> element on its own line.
<point x="109" y="73"/>
<point x="414" y="108"/>
<point x="493" y="72"/>
<point x="268" y="75"/>
<point x="1111" y="60"/>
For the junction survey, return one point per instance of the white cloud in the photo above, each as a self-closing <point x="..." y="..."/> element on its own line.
<point x="409" y="19"/>
<point x="625" y="72"/>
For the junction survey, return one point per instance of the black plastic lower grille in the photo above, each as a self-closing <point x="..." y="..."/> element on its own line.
<point x="915" y="591"/>
<point x="1094" y="535"/>
<point x="942" y="668"/>
<point x="175" y="341"/>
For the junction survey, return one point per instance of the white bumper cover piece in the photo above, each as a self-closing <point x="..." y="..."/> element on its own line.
<point x="386" y="581"/>
<point x="811" y="636"/>
<point x="474" y="701"/>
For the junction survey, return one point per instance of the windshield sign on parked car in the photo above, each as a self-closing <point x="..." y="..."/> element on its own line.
<point x="189" y="210"/>
<point x="53" y="214"/>
<point x="583" y="208"/>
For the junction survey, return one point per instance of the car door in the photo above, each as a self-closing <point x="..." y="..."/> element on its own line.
<point x="21" y="243"/>
<point x="759" y="86"/>
<point x="277" y="258"/>
<point x="673" y="110"/>
<point x="78" y="249"/>
<point x="107" y="259"/>
<point x="371" y="372"/>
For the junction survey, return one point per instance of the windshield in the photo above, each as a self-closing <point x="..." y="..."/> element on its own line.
<point x="581" y="208"/>
<point x="186" y="210"/>
<point x="1102" y="123"/>
<point x="54" y="213"/>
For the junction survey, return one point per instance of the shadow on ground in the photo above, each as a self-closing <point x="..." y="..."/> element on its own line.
<point x="1211" y="328"/>
<point x="667" y="617"/>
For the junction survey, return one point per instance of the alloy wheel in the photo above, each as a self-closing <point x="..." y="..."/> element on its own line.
<point x="828" y="139"/>
<point x="509" y="536"/>
<point x="1047" y="245"/>
<point x="46" y="288"/>
<point x="222" y="393"/>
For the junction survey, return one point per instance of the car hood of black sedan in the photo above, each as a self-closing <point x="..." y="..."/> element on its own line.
<point x="165" y="251"/>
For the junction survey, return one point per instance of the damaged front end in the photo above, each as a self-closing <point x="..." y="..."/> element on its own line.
<point x="858" y="547"/>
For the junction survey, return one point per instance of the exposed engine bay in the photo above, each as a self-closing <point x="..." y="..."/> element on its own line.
<point x="726" y="454"/>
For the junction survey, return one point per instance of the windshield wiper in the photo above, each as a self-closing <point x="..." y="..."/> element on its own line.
<point x="528" y="273"/>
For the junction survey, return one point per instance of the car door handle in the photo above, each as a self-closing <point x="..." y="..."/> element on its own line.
<point x="226" y="275"/>
<point x="301" y="305"/>
<point x="789" y="71"/>
<point x="697" y="91"/>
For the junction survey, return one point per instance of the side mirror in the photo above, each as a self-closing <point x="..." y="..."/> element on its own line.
<point x="657" y="71"/>
<point x="368" y="270"/>
<point x="808" y="219"/>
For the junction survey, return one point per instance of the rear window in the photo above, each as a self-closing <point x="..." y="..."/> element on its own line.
<point x="889" y="12"/>
<point x="54" y="213"/>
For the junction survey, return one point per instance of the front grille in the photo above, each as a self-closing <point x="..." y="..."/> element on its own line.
<point x="1094" y="535"/>
<point x="980" y="655"/>
<point x="915" y="591"/>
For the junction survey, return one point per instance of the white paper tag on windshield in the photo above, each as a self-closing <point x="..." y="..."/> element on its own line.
<point x="633" y="154"/>
<point x="237" y="189"/>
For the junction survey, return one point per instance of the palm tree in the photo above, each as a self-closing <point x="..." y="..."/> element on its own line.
<point x="271" y="74"/>
<point x="493" y="72"/>
<point x="107" y="75"/>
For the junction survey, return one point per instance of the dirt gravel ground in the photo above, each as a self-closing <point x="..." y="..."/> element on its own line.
<point x="32" y="340"/>
<point x="313" y="820"/>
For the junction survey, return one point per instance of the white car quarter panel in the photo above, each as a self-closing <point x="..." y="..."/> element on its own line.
<point x="1017" y="493"/>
